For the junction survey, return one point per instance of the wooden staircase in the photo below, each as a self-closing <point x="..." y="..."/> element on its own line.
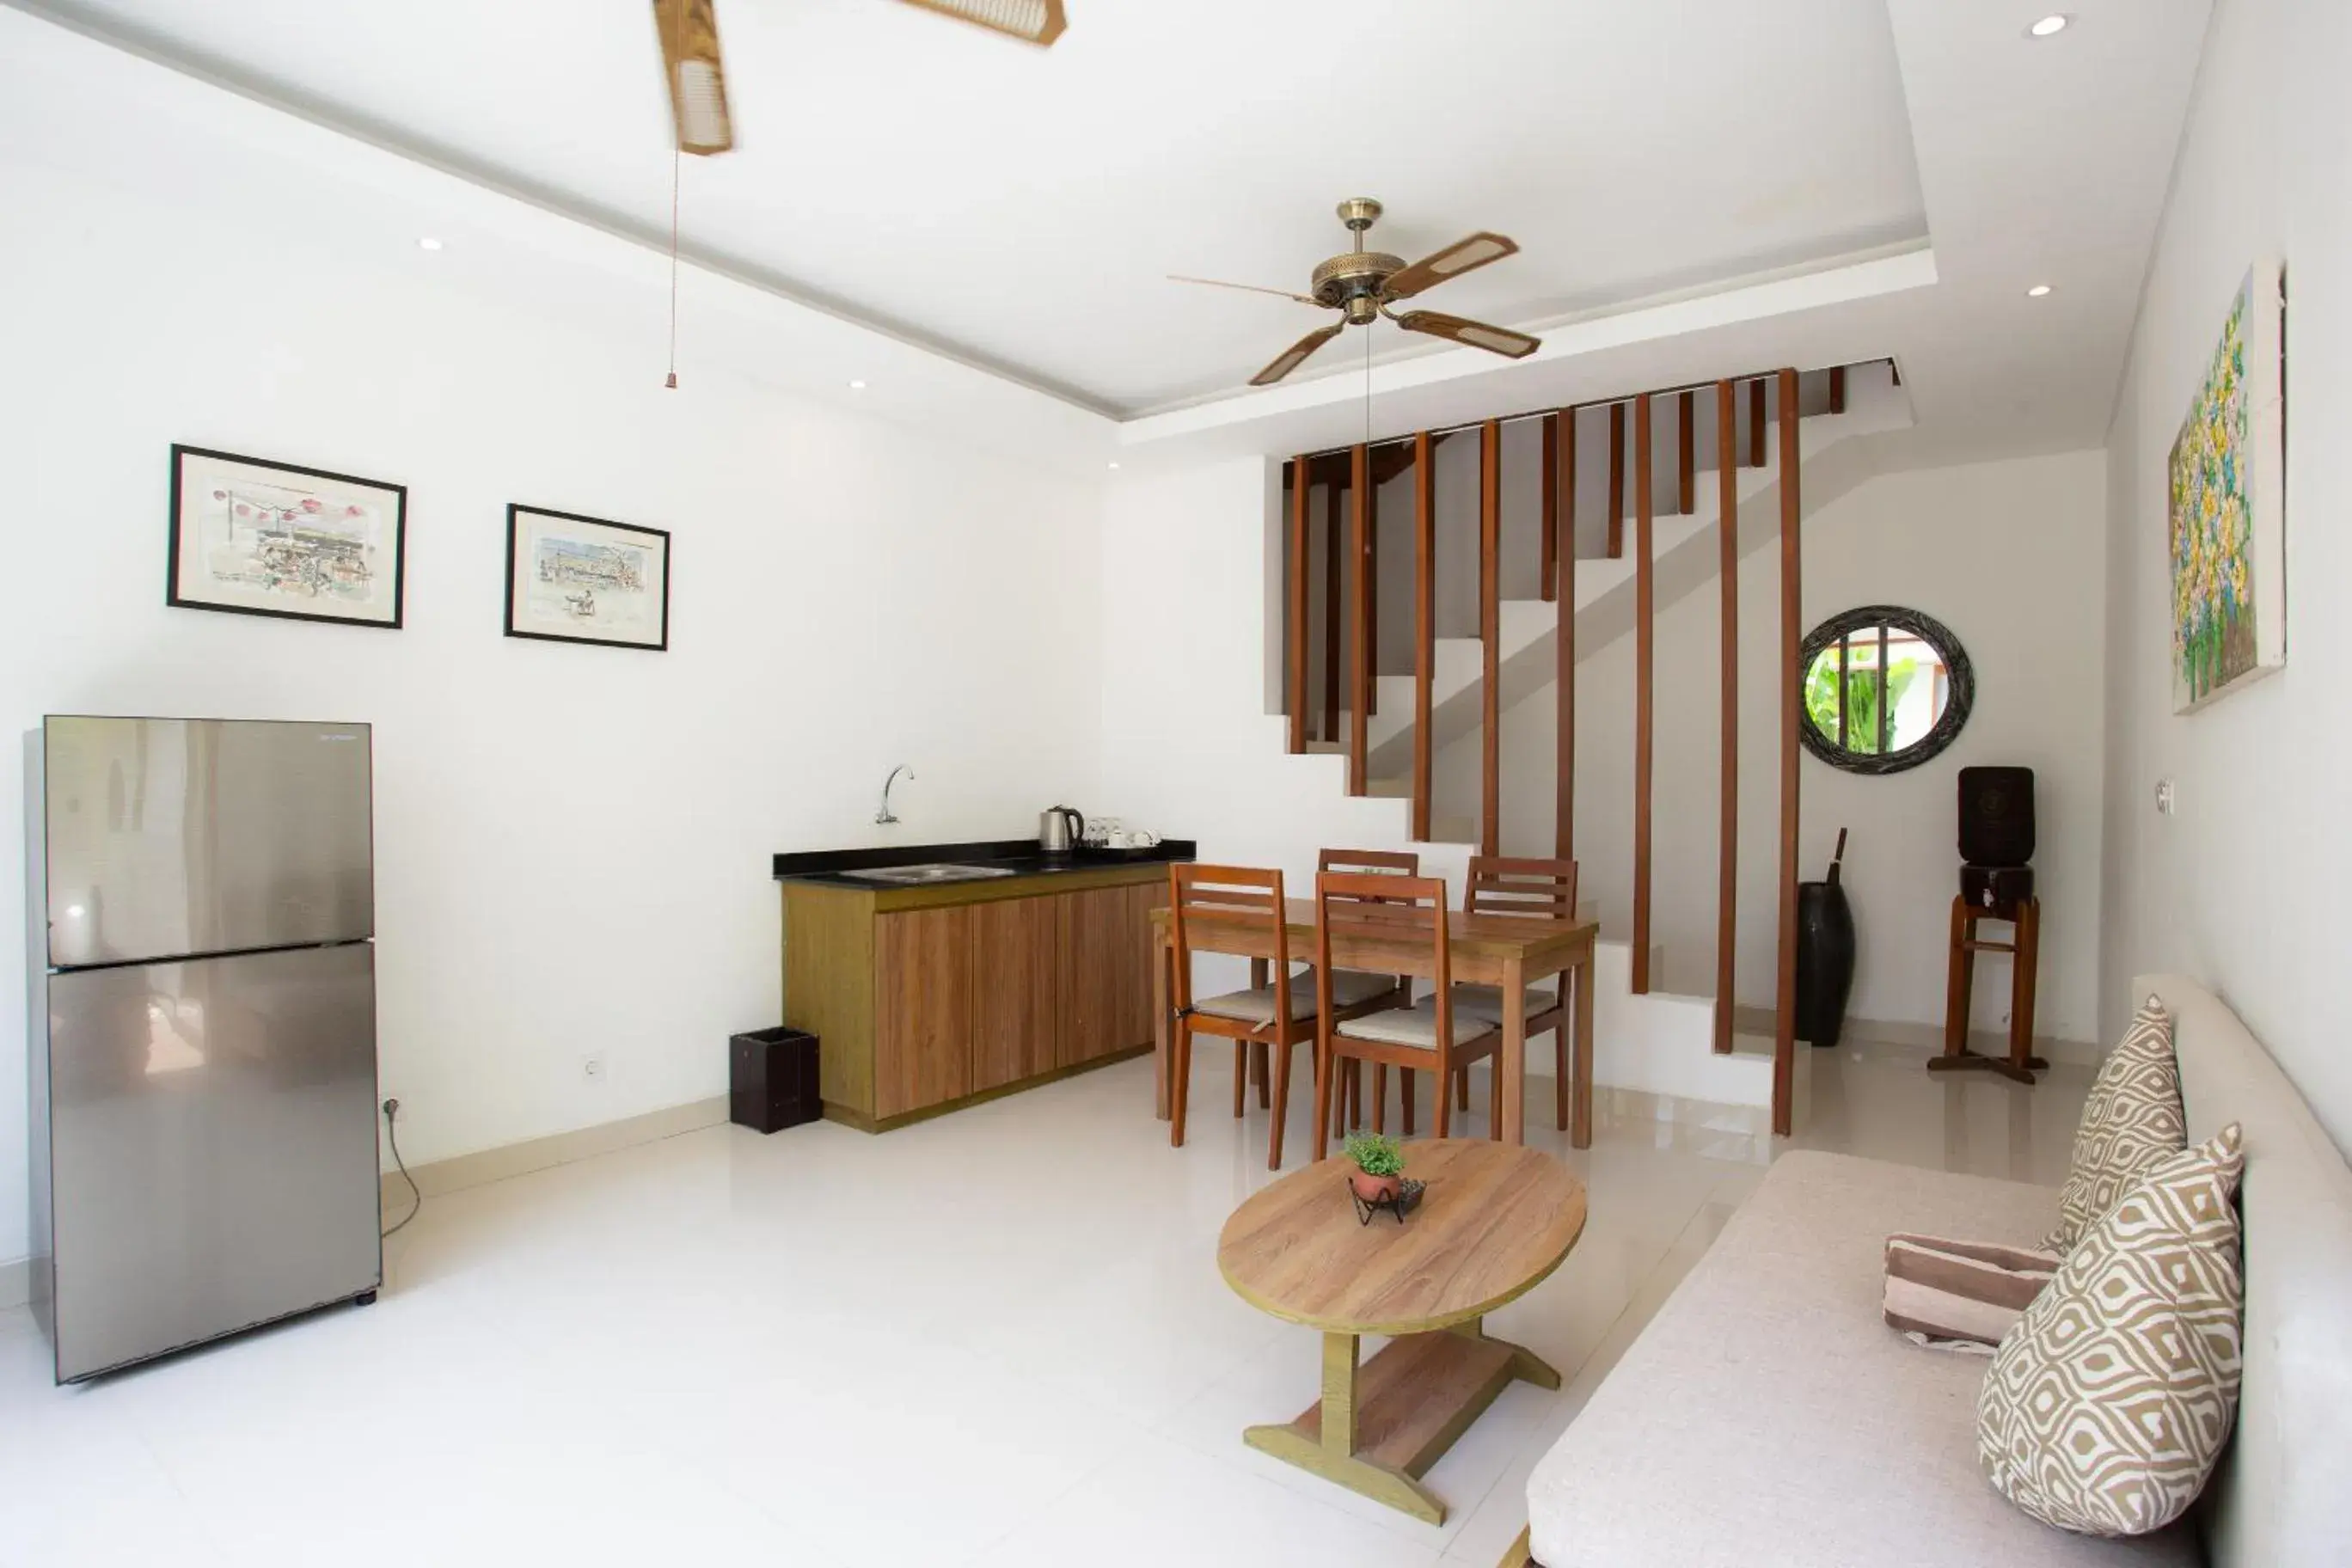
<point x="1465" y="682"/>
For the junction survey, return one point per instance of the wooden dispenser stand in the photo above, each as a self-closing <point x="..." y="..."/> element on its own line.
<point x="2025" y="945"/>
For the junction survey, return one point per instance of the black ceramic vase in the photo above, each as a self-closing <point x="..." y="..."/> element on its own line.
<point x="1825" y="956"/>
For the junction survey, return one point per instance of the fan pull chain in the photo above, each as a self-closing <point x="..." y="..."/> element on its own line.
<point x="676" y="160"/>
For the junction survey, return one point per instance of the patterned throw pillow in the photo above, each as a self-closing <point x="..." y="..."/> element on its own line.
<point x="2106" y="1407"/>
<point x="2132" y="1122"/>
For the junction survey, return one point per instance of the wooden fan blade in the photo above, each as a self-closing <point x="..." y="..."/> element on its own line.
<point x="1037" y="22"/>
<point x="1294" y="356"/>
<point x="698" y="79"/>
<point x="1251" y="288"/>
<point x="1477" y="334"/>
<point x="1462" y="256"/>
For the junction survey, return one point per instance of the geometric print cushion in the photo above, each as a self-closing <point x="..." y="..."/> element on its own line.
<point x="2106" y="1407"/>
<point x="2131" y="1122"/>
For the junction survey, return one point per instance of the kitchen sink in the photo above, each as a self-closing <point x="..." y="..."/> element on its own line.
<point x="917" y="875"/>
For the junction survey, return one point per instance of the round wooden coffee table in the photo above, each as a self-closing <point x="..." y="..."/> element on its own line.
<point x="1494" y="1220"/>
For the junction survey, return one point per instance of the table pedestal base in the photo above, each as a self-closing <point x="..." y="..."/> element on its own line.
<point x="1379" y="1427"/>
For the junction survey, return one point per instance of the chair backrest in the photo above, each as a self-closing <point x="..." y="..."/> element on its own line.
<point x="1384" y="907"/>
<point x="1535" y="889"/>
<point x="1403" y="862"/>
<point x="1240" y="897"/>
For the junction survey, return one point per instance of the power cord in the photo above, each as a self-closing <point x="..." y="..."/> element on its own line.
<point x="391" y="1133"/>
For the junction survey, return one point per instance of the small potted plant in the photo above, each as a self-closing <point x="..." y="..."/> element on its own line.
<point x="1379" y="1175"/>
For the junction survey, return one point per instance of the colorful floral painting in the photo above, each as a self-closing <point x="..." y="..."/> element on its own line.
<point x="2224" y="510"/>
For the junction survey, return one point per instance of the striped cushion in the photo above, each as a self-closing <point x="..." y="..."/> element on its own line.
<point x="2131" y="1123"/>
<point x="2106" y="1409"/>
<point x="1960" y="1295"/>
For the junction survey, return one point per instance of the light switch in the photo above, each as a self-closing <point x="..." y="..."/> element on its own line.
<point x="2164" y="797"/>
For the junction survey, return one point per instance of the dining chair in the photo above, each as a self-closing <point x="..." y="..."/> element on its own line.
<point x="1523" y="889"/>
<point x="1276" y="1016"/>
<point x="1388" y="862"/>
<point x="1430" y="1035"/>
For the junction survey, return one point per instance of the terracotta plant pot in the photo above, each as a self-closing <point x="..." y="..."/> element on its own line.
<point x="1375" y="1189"/>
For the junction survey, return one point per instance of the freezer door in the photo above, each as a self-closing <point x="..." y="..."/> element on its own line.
<point x="212" y="1148"/>
<point x="169" y="838"/>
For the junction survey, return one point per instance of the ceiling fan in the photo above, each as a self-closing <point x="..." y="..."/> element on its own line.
<point x="698" y="79"/>
<point x="1363" y="284"/>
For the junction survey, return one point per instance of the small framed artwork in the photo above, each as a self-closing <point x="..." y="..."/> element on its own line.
<point x="582" y="579"/>
<point x="251" y="537"/>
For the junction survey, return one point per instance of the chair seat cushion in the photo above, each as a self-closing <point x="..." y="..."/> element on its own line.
<point x="1256" y="1005"/>
<point x="1414" y="1026"/>
<point x="1352" y="988"/>
<point x="1487" y="1001"/>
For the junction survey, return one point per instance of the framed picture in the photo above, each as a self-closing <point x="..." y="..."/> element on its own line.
<point x="2225" y="510"/>
<point x="257" y="538"/>
<point x="582" y="579"/>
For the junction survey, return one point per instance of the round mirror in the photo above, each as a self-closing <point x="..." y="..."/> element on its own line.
<point x="1885" y="690"/>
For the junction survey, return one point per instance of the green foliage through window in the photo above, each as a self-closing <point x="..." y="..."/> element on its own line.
<point x="1862" y="694"/>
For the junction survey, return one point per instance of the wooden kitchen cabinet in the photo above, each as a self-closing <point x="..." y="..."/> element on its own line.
<point x="924" y="999"/>
<point x="922" y="1009"/>
<point x="1016" y="969"/>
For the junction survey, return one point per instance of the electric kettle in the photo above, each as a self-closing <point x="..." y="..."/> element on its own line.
<point x="1060" y="829"/>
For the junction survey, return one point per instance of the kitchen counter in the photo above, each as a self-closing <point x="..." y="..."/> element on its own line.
<point x="930" y="996"/>
<point x="829" y="867"/>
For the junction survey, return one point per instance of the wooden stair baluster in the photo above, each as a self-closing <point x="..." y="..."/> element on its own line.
<point x="1295" y="682"/>
<point x="1791" y="676"/>
<point x="1425" y="625"/>
<point x="1727" y="884"/>
<point x="1644" y="698"/>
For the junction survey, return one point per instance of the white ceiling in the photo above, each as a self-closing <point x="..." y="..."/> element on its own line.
<point x="1703" y="187"/>
<point x="1018" y="209"/>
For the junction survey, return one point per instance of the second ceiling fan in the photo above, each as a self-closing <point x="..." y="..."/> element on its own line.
<point x="698" y="79"/>
<point x="1362" y="284"/>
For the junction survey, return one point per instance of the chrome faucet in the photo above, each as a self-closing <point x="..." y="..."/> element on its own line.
<point x="884" y="815"/>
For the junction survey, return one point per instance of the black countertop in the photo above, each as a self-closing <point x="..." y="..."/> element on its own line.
<point x="1019" y="856"/>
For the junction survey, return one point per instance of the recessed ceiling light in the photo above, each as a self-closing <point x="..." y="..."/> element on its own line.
<point x="2037" y="292"/>
<point x="2049" y="26"/>
<point x="857" y="387"/>
<point x="428" y="243"/>
<point x="1114" y="464"/>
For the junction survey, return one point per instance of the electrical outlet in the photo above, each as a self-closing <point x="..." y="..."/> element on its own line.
<point x="592" y="1067"/>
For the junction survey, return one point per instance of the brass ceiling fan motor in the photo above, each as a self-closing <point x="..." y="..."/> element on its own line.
<point x="1362" y="284"/>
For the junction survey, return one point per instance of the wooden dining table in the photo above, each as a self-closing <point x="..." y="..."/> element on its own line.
<point x="1509" y="952"/>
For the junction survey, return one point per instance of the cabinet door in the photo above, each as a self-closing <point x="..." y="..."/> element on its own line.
<point x="1015" y="970"/>
<point x="1096" y="966"/>
<point x="922" y="1008"/>
<point x="1135" y="1023"/>
<point x="1107" y="971"/>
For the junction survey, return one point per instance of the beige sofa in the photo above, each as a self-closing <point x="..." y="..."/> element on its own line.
<point x="1767" y="1416"/>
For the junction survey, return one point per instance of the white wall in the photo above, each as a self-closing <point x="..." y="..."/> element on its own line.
<point x="2246" y="885"/>
<point x="572" y="843"/>
<point x="1190" y="562"/>
<point x="2008" y="555"/>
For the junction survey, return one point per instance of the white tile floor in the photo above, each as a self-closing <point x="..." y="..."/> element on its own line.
<point x="995" y="1338"/>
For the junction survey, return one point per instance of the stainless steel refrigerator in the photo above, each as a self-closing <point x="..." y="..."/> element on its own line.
<point x="202" y="1040"/>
